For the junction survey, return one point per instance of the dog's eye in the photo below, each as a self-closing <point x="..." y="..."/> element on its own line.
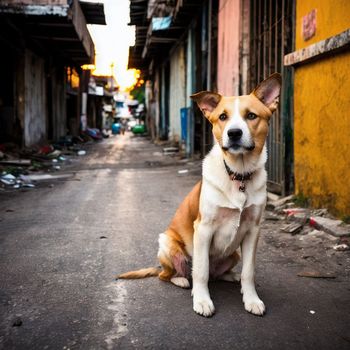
<point x="251" y="116"/>
<point x="223" y="117"/>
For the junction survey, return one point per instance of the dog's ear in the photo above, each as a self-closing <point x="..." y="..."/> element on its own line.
<point x="206" y="101"/>
<point x="268" y="91"/>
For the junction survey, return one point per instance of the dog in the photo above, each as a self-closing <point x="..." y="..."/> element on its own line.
<point x="223" y="211"/>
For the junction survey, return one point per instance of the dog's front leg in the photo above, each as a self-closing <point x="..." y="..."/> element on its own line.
<point x="202" y="303"/>
<point x="252" y="303"/>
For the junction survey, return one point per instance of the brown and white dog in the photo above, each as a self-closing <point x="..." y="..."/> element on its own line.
<point x="223" y="211"/>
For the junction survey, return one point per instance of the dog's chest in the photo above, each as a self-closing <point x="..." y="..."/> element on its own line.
<point x="228" y="234"/>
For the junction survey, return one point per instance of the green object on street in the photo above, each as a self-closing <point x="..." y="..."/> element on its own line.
<point x="138" y="129"/>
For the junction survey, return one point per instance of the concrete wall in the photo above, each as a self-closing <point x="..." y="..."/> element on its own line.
<point x="177" y="92"/>
<point x="228" y="47"/>
<point x="34" y="99"/>
<point x="59" y="108"/>
<point x="36" y="2"/>
<point x="321" y="112"/>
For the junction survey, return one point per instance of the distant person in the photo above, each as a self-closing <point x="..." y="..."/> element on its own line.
<point x="123" y="125"/>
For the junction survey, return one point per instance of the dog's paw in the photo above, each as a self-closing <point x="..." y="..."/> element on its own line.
<point x="203" y="306"/>
<point x="255" y="306"/>
<point x="180" y="282"/>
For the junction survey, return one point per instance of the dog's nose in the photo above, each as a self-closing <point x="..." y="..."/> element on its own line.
<point x="234" y="134"/>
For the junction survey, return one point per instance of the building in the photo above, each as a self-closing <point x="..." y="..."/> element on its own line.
<point x="43" y="44"/>
<point x="229" y="46"/>
<point x="321" y="65"/>
<point x="176" y="50"/>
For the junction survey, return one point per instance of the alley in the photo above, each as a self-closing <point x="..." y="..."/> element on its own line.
<point x="62" y="246"/>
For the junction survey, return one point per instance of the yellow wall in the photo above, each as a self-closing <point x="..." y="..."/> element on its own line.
<point x="322" y="112"/>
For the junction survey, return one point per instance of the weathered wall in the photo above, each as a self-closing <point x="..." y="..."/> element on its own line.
<point x="228" y="47"/>
<point x="35" y="2"/>
<point x="59" y="107"/>
<point x="177" y="91"/>
<point x="34" y="99"/>
<point x="321" y="112"/>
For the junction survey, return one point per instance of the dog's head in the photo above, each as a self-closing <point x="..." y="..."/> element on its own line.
<point x="240" y="123"/>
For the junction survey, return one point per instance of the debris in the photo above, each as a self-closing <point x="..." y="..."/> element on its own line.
<point x="272" y="216"/>
<point x="292" y="228"/>
<point x="45" y="177"/>
<point x="46" y="149"/>
<point x="334" y="227"/>
<point x="81" y="153"/>
<point x="280" y="202"/>
<point x="170" y="150"/>
<point x="322" y="234"/>
<point x="17" y="322"/>
<point x="294" y="211"/>
<point x="184" y="171"/>
<point x="103" y="237"/>
<point x="320" y="212"/>
<point x="341" y="247"/>
<point x="312" y="312"/>
<point x="8" y="179"/>
<point x="94" y="134"/>
<point x="316" y="274"/>
<point x="20" y="162"/>
<point x="271" y="197"/>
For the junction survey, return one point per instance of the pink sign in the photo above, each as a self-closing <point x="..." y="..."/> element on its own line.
<point x="309" y="25"/>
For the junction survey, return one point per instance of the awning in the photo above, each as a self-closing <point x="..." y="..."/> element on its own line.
<point x="59" y="29"/>
<point x="93" y="12"/>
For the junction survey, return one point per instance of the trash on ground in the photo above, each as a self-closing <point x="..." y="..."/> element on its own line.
<point x="295" y="211"/>
<point x="81" y="152"/>
<point x="334" y="227"/>
<point x="272" y="216"/>
<point x="316" y="274"/>
<point x="280" y="203"/>
<point x="45" y="177"/>
<point x="170" y="150"/>
<point x="272" y="197"/>
<point x="20" y="162"/>
<point x="8" y="179"/>
<point x="17" y="322"/>
<point x="312" y="312"/>
<point x="184" y="171"/>
<point x="341" y="247"/>
<point x="292" y="228"/>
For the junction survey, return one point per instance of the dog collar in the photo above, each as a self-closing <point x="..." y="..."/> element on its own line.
<point x="238" y="177"/>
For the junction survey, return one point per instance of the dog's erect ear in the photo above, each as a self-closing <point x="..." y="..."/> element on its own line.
<point x="268" y="91"/>
<point x="206" y="101"/>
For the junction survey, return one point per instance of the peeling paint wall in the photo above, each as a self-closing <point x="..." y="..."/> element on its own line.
<point x="35" y="99"/>
<point x="59" y="105"/>
<point x="228" y="47"/>
<point x="321" y="112"/>
<point x="177" y="92"/>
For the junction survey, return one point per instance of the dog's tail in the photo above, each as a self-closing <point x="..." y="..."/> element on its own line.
<point x="148" y="272"/>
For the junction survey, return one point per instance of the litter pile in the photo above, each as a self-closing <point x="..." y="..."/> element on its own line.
<point x="307" y="221"/>
<point x="22" y="168"/>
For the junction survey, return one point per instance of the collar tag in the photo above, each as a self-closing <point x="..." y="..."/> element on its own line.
<point x="238" y="177"/>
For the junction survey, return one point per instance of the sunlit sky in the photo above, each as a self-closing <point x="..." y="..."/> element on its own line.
<point x="112" y="42"/>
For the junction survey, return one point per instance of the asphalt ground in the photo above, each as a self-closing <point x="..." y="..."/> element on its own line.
<point x="62" y="243"/>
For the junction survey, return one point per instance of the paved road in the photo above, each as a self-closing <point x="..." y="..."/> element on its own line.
<point x="61" y="246"/>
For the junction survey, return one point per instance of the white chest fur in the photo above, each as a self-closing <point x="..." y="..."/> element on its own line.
<point x="229" y="212"/>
